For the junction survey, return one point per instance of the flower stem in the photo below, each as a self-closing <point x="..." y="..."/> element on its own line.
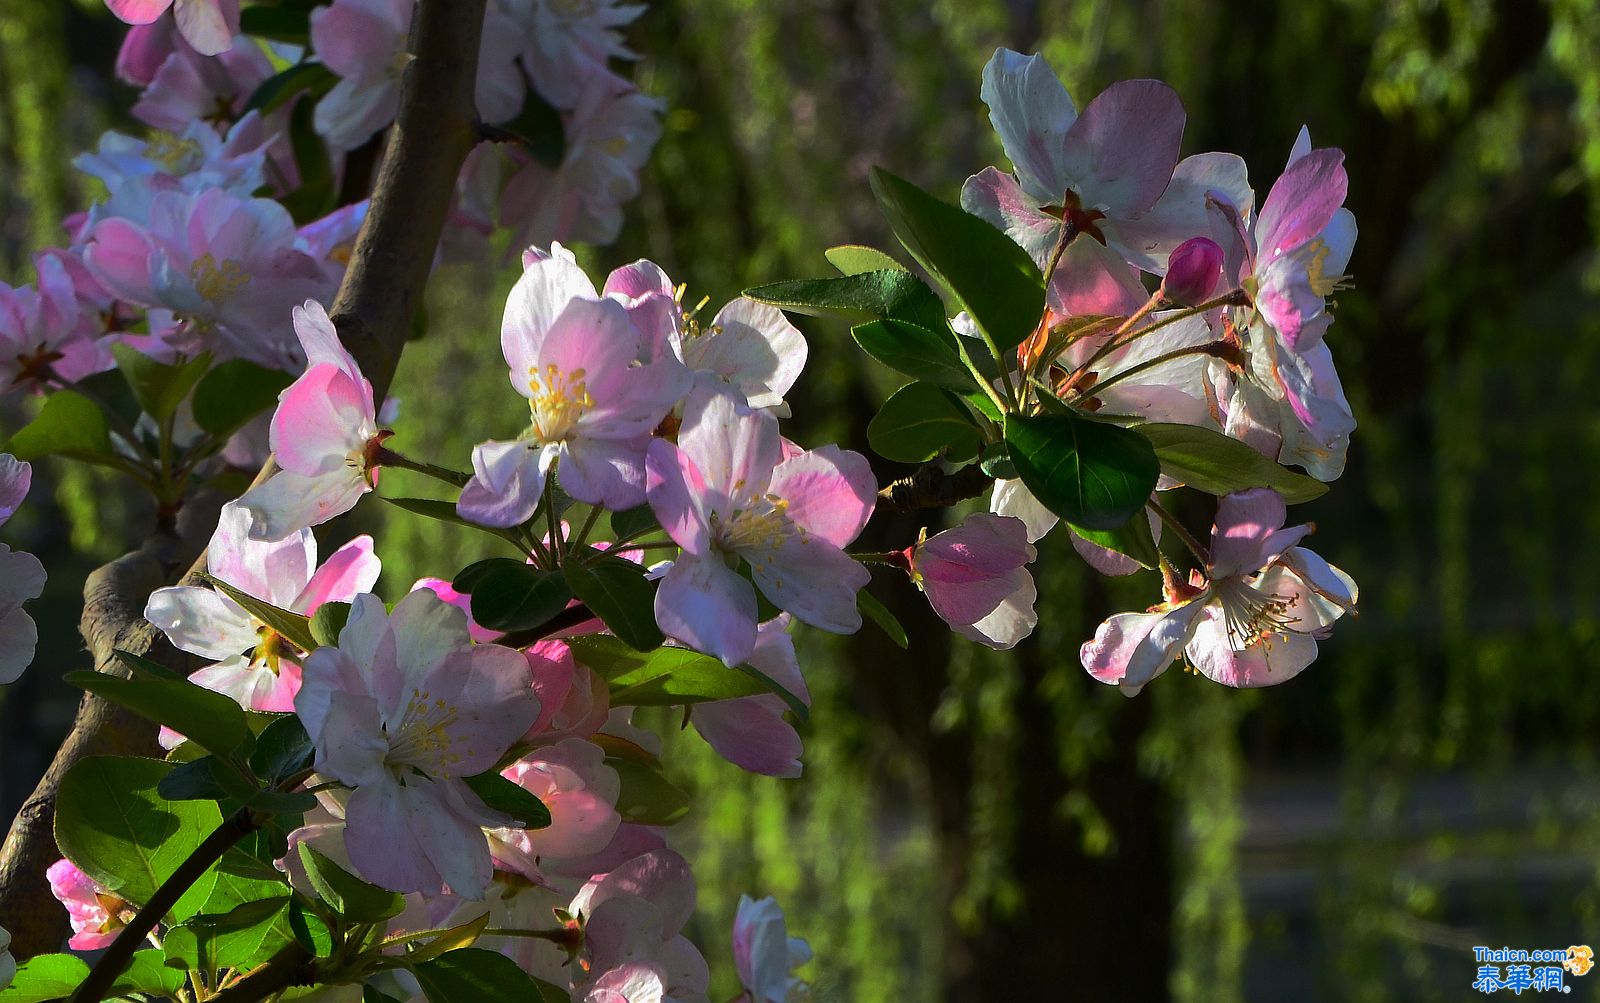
<point x="387" y="457"/>
<point x="114" y="962"/>
<point x="1179" y="530"/>
<point x="1214" y="348"/>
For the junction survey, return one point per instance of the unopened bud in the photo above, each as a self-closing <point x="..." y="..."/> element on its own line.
<point x="1194" y="270"/>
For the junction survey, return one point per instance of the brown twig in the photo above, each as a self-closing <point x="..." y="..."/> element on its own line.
<point x="931" y="487"/>
<point x="432" y="134"/>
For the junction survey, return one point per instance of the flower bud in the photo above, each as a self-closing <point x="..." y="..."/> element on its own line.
<point x="1194" y="270"/>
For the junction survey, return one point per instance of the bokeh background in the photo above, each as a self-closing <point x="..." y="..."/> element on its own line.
<point x="975" y="826"/>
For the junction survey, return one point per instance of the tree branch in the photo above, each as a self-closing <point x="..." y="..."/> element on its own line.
<point x="433" y="132"/>
<point x="931" y="487"/>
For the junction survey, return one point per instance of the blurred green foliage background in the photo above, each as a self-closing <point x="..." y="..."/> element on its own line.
<point x="982" y="826"/>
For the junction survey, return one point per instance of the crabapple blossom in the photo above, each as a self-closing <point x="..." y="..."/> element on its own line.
<point x="21" y="574"/>
<point x="751" y="732"/>
<point x="228" y="266"/>
<point x="568" y="43"/>
<point x="976" y="578"/>
<point x="255" y="665"/>
<point x="401" y="710"/>
<point x="763" y="952"/>
<point x="572" y="780"/>
<point x="1096" y="174"/>
<point x="96" y="914"/>
<point x="324" y="435"/>
<point x="631" y="920"/>
<point x="724" y="493"/>
<point x="190" y="87"/>
<point x="1252" y="619"/>
<point x="576" y="357"/>
<point x="48" y="335"/>
<point x="208" y="25"/>
<point x="198" y="158"/>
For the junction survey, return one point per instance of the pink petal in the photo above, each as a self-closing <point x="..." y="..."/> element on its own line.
<point x="708" y="606"/>
<point x="605" y="472"/>
<point x="751" y="733"/>
<point x="507" y="482"/>
<point x="1275" y="660"/>
<point x="1302" y="202"/>
<point x="830" y="492"/>
<point x="322" y="418"/>
<point x="1130" y="649"/>
<point x="1122" y="150"/>
<point x="208" y="25"/>
<point x="1031" y="113"/>
<point x="138" y="11"/>
<point x="996" y="197"/>
<point x="814" y="580"/>
<point x="735" y="449"/>
<point x="1249" y="532"/>
<point x="352" y="569"/>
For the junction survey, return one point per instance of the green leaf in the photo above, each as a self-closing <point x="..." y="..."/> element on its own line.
<point x="856" y="259"/>
<point x="1090" y="473"/>
<point x="347" y="894"/>
<point x="992" y="277"/>
<point x="633" y="522"/>
<point x="204" y="779"/>
<point x="310" y="930"/>
<point x="143" y="668"/>
<point x="888" y="293"/>
<point x="113" y="824"/>
<point x="295" y="627"/>
<point x="928" y="354"/>
<point x="516" y="596"/>
<point x="995" y="460"/>
<point x="1211" y="462"/>
<point x="879" y="614"/>
<point x="918" y="422"/>
<point x="148" y="973"/>
<point x="473" y="975"/>
<point x="308" y="77"/>
<point x="647" y="797"/>
<point x="469" y="577"/>
<point x="159" y="389"/>
<point x="45" y="977"/>
<point x="504" y="795"/>
<point x="243" y="937"/>
<point x="1132" y="539"/>
<point x="207" y="718"/>
<point x="232" y="393"/>
<point x="617" y="591"/>
<point x="279" y="24"/>
<point x="70" y="425"/>
<point x="282" y="751"/>
<point x="453" y="939"/>
<point x="328" y="621"/>
<point x="314" y="198"/>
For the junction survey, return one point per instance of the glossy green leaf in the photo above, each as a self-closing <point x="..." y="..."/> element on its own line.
<point x="283" y="750"/>
<point x="616" y="591"/>
<point x="995" y="460"/>
<point x="1090" y="473"/>
<point x="888" y="293"/>
<point x="516" y="596"/>
<point x="347" y="894"/>
<point x="1209" y="461"/>
<point x="453" y="939"/>
<point x="856" y="259"/>
<point x="45" y="977"/>
<point x="158" y="388"/>
<point x="204" y="779"/>
<point x="148" y="973"/>
<point x="633" y="522"/>
<point x="70" y="425"/>
<point x="295" y="627"/>
<point x="879" y="614"/>
<point x="992" y="277"/>
<point x="232" y="393"/>
<point x="207" y="718"/>
<point x="310" y="930"/>
<point x="647" y="796"/>
<point x="243" y="937"/>
<point x="515" y="800"/>
<point x="918" y="422"/>
<point x="672" y="676"/>
<point x="311" y="78"/>
<point x="929" y="354"/>
<point x="328" y="621"/>
<point x="474" y="975"/>
<point x="278" y="24"/>
<point x="113" y="824"/>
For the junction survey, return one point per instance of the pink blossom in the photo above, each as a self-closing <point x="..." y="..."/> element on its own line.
<point x="764" y="953"/>
<point x="572" y="780"/>
<point x="208" y="25"/>
<point x="49" y="336"/>
<point x="401" y="710"/>
<point x="1194" y="271"/>
<point x="230" y="267"/>
<point x="1254" y="617"/>
<point x="324" y="436"/>
<point x="22" y="577"/>
<point x="256" y="666"/>
<point x="188" y="86"/>
<point x="976" y="578"/>
<point x="632" y="916"/>
<point x="1098" y="173"/>
<point x="751" y="732"/>
<point x="192" y="161"/>
<point x="567" y="43"/>
<point x="609" y="135"/>
<point x="576" y="357"/>
<point x="722" y="494"/>
<point x="96" y="915"/>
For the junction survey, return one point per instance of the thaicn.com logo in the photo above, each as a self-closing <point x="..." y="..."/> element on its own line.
<point x="1540" y="971"/>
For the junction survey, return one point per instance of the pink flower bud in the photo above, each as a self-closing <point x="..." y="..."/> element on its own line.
<point x="96" y="915"/>
<point x="1193" y="272"/>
